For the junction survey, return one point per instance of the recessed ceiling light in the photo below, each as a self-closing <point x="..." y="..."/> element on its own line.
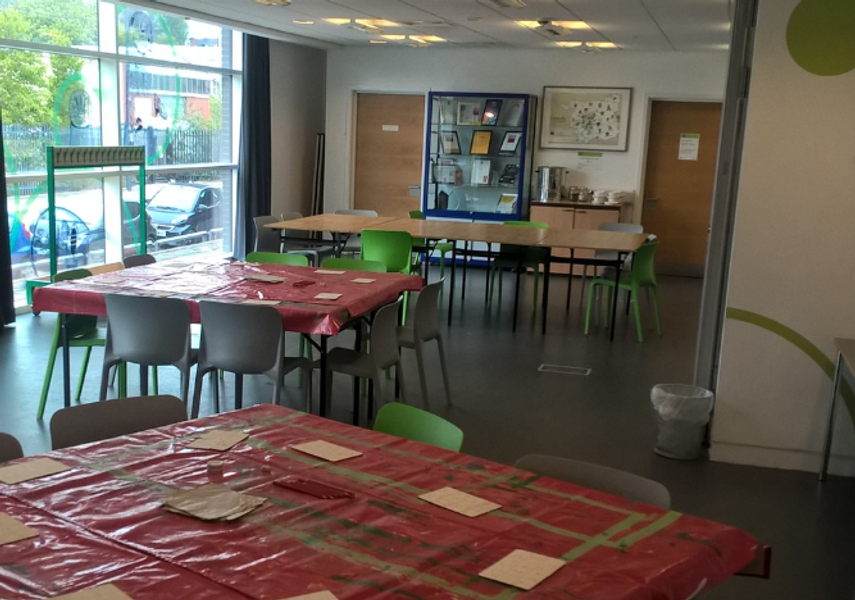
<point x="427" y="38"/>
<point x="530" y="24"/>
<point x="377" y="42"/>
<point x="571" y="24"/>
<point x="602" y="44"/>
<point x="303" y="22"/>
<point x="338" y="21"/>
<point x="569" y="44"/>
<point x="395" y="37"/>
<point x="376" y="22"/>
<point x="274" y="2"/>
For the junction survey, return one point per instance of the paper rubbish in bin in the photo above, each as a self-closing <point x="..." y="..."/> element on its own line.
<point x="681" y="413"/>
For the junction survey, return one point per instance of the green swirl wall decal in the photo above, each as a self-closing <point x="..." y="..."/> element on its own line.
<point x="800" y="342"/>
<point x="820" y="36"/>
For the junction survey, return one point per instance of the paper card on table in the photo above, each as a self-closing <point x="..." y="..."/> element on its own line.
<point x="265" y="278"/>
<point x="111" y="280"/>
<point x="522" y="569"/>
<point x="325" y="595"/>
<point x="363" y="280"/>
<point x="327" y="296"/>
<point x="218" y="439"/>
<point x="31" y="469"/>
<point x="260" y="302"/>
<point x="12" y="530"/>
<point x="326" y="450"/>
<point x="329" y="272"/>
<point x="102" y="592"/>
<point x="460" y="502"/>
<point x="212" y="502"/>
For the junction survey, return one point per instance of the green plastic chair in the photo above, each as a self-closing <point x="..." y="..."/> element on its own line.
<point x="395" y="250"/>
<point x="83" y="332"/>
<point x="427" y="247"/>
<point x="641" y="276"/>
<point x="278" y="258"/>
<point x="418" y="425"/>
<point x="533" y="258"/>
<point x="354" y="264"/>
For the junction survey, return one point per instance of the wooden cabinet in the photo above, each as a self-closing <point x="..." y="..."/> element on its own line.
<point x="573" y="218"/>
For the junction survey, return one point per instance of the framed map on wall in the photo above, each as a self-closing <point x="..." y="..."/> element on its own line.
<point x="585" y="118"/>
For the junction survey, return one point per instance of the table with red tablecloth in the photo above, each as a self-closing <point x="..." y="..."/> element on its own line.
<point x="102" y="522"/>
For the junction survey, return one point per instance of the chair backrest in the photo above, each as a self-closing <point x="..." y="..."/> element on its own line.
<point x="10" y="448"/>
<point x="77" y="325"/>
<point x="138" y="260"/>
<point x="294" y="233"/>
<point x="354" y="264"/>
<point x="392" y="248"/>
<point x="278" y="258"/>
<point x="417" y="214"/>
<point x="356" y="211"/>
<point x="426" y="319"/>
<point x="384" y="336"/>
<point x="240" y="338"/>
<point x="644" y="264"/>
<point x="97" y="421"/>
<point x="148" y="331"/>
<point x="605" y="479"/>
<point x="622" y="227"/>
<point x="418" y="425"/>
<point x="266" y="239"/>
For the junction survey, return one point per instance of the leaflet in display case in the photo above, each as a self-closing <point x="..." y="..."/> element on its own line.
<point x="478" y="155"/>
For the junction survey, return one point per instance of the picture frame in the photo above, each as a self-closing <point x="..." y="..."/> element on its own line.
<point x="585" y="118"/>
<point x="492" y="109"/>
<point x="449" y="142"/>
<point x="510" y="143"/>
<point x="480" y="142"/>
<point x="468" y="113"/>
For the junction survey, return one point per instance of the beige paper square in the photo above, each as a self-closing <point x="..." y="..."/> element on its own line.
<point x="326" y="450"/>
<point x="327" y="296"/>
<point x="261" y="302"/>
<point x="329" y="272"/>
<point x="101" y="592"/>
<point x="31" y="469"/>
<point x="12" y="530"/>
<point x="212" y="502"/>
<point x="218" y="439"/>
<point x="325" y="595"/>
<point x="460" y="502"/>
<point x="363" y="280"/>
<point x="522" y="569"/>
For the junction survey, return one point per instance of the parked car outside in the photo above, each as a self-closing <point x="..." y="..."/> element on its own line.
<point x="183" y="208"/>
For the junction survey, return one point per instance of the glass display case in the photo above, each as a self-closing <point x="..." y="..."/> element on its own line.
<point x="478" y="156"/>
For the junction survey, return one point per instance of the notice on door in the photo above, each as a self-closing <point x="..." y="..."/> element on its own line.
<point x="689" y="144"/>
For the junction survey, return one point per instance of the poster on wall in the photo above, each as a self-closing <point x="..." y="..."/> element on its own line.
<point x="582" y="118"/>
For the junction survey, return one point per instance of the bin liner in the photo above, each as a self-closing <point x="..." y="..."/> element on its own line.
<point x="682" y="412"/>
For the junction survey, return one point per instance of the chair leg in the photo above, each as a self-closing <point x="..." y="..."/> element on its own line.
<point x="636" y="309"/>
<point x="444" y="367"/>
<point x="654" y="296"/>
<point x="143" y="380"/>
<point x="238" y="391"/>
<point x="307" y="394"/>
<point x="154" y="382"/>
<point x="399" y="373"/>
<point x="49" y="371"/>
<point x="197" y="392"/>
<point x="356" y="381"/>
<point x="82" y="377"/>
<point x="123" y="380"/>
<point x="373" y="386"/>
<point x="420" y="361"/>
<point x="591" y="289"/>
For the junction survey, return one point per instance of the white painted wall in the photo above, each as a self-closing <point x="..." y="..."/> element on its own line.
<point x="297" y="90"/>
<point x="670" y="75"/>
<point x="793" y="260"/>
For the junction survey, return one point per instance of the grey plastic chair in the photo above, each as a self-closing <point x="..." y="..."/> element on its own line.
<point x="425" y="328"/>
<point x="139" y="260"/>
<point x="609" y="254"/>
<point x="97" y="421"/>
<point x="612" y="481"/>
<point x="266" y="239"/>
<point x="353" y="245"/>
<point x="244" y="340"/>
<point x="315" y="253"/>
<point x="10" y="448"/>
<point x="149" y="332"/>
<point x="383" y="353"/>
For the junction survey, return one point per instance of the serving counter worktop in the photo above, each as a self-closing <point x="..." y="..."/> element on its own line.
<point x="576" y="204"/>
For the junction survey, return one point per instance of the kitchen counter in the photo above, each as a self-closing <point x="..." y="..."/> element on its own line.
<point x="577" y="204"/>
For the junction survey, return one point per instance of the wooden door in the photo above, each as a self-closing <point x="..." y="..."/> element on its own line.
<point x="682" y="149"/>
<point x="389" y="147"/>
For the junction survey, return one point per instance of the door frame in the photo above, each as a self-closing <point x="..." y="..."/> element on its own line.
<point x="351" y="134"/>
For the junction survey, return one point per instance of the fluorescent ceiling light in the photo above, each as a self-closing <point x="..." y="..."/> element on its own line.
<point x="530" y="24"/>
<point x="303" y="22"/>
<point x="569" y="44"/>
<point x="602" y="45"/>
<point x="376" y="22"/>
<point x="274" y="2"/>
<point x="509" y="3"/>
<point x="571" y="24"/>
<point x="427" y="38"/>
<point x="377" y="42"/>
<point x="395" y="37"/>
<point x="338" y="21"/>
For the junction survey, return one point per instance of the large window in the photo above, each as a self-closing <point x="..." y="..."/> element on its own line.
<point x="144" y="78"/>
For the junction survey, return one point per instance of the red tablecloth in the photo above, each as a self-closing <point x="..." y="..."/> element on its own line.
<point x="102" y="522"/>
<point x="300" y="310"/>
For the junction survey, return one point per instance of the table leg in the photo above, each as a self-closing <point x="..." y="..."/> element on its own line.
<point x="517" y="287"/>
<point x="66" y="359"/>
<point x="487" y="283"/>
<point x="826" y="452"/>
<point x="546" y="268"/>
<point x="337" y="244"/>
<point x="453" y="277"/>
<point x="322" y="394"/>
<point x="465" y="255"/>
<point x="569" y="280"/>
<point x="621" y="257"/>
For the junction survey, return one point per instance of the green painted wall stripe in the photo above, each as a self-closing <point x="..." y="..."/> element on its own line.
<point x="800" y="342"/>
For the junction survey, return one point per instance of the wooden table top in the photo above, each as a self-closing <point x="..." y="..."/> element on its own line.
<point x="332" y="222"/>
<point x="593" y="239"/>
<point x="465" y="231"/>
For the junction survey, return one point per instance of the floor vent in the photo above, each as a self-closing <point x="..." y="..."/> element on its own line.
<point x="564" y="370"/>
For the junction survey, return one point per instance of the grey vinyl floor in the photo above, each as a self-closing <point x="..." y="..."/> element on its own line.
<point x="508" y="408"/>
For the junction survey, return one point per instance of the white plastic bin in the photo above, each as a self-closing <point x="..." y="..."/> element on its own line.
<point x="682" y="412"/>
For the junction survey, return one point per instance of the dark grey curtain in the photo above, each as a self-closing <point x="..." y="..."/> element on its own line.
<point x="7" y="303"/>
<point x="254" y="160"/>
